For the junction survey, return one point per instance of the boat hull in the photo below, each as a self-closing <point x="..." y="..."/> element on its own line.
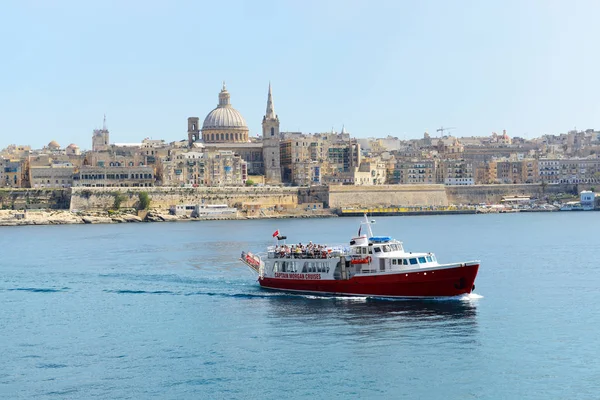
<point x="446" y="282"/>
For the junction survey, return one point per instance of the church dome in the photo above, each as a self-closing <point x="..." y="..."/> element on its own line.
<point x="53" y="145"/>
<point x="224" y="116"/>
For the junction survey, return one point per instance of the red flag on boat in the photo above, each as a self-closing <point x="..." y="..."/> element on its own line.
<point x="276" y="233"/>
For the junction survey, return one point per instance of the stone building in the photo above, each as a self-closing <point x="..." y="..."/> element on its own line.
<point x="414" y="172"/>
<point x="121" y="176"/>
<point x="11" y="173"/>
<point x="225" y="168"/>
<point x="569" y="170"/>
<point x="225" y="128"/>
<point x="455" y="172"/>
<point x="185" y="168"/>
<point x="51" y="176"/>
<point x="101" y="138"/>
<point x="271" y="143"/>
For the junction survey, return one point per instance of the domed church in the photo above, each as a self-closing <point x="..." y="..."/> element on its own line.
<point x="224" y="124"/>
<point x="224" y="128"/>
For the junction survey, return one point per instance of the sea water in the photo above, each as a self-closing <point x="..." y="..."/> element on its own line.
<point x="166" y="310"/>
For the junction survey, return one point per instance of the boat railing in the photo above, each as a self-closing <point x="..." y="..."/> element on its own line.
<point x="253" y="261"/>
<point x="289" y="252"/>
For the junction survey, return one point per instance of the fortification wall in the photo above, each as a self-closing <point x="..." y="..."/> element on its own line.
<point x="314" y="194"/>
<point x="84" y="198"/>
<point x="494" y="193"/>
<point x="387" y="195"/>
<point x="19" y="199"/>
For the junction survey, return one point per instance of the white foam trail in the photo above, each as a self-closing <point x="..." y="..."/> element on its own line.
<point x="474" y="296"/>
<point x="347" y="298"/>
<point x="462" y="297"/>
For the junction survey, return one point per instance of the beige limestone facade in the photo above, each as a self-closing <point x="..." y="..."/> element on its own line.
<point x="114" y="176"/>
<point x="51" y="176"/>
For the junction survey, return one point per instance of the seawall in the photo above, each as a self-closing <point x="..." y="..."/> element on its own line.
<point x="92" y="199"/>
<point x="85" y="199"/>
<point x="385" y="195"/>
<point x="494" y="193"/>
<point x="19" y="199"/>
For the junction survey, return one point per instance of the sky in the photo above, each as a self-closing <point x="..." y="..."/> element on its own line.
<point x="379" y="68"/>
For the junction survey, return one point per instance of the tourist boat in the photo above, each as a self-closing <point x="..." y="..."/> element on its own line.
<point x="373" y="266"/>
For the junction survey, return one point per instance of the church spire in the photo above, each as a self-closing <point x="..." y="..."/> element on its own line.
<point x="270" y="108"/>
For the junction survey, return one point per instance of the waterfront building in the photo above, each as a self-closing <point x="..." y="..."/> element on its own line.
<point x="225" y="168"/>
<point x="589" y="200"/>
<point x="569" y="170"/>
<point x="455" y="172"/>
<point x="51" y="176"/>
<point x="414" y="172"/>
<point x="184" y="168"/>
<point x="515" y="171"/>
<point x="11" y="173"/>
<point x="107" y="176"/>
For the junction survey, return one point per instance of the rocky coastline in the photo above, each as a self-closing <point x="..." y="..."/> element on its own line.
<point x="65" y="217"/>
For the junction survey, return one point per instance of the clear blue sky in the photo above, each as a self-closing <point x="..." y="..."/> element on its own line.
<point x="397" y="67"/>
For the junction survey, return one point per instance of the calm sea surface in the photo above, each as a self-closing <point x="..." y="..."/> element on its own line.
<point x="138" y="311"/>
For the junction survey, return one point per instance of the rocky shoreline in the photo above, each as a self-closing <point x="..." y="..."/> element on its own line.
<point x="65" y="217"/>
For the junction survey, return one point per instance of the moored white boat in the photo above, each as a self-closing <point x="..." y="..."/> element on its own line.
<point x="369" y="265"/>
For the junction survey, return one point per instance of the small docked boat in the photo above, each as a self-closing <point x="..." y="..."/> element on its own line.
<point x="375" y="266"/>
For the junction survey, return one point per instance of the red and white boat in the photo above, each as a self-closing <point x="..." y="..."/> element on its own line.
<point x="376" y="266"/>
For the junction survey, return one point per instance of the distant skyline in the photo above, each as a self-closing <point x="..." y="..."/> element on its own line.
<point x="381" y="68"/>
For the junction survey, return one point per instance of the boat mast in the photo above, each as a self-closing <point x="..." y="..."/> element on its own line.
<point x="368" y="226"/>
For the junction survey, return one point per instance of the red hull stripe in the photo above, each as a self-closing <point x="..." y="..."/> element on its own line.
<point x="439" y="283"/>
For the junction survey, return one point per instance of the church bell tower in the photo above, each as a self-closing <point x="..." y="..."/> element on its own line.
<point x="271" y="140"/>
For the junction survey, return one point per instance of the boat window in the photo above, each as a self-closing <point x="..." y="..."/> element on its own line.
<point x="364" y="250"/>
<point x="386" y="248"/>
<point x="288" y="266"/>
<point x="429" y="259"/>
<point x="422" y="260"/>
<point x="394" y="261"/>
<point x="377" y="249"/>
<point x="413" y="261"/>
<point x="276" y="266"/>
<point x="405" y="261"/>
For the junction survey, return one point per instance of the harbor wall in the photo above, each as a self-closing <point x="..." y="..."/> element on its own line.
<point x="387" y="195"/>
<point x="22" y="198"/>
<point x="89" y="198"/>
<point x="84" y="199"/>
<point x="491" y="194"/>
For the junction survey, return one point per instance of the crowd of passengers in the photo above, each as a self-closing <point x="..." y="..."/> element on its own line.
<point x="302" y="251"/>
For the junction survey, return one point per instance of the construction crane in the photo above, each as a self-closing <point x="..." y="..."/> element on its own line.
<point x="442" y="129"/>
